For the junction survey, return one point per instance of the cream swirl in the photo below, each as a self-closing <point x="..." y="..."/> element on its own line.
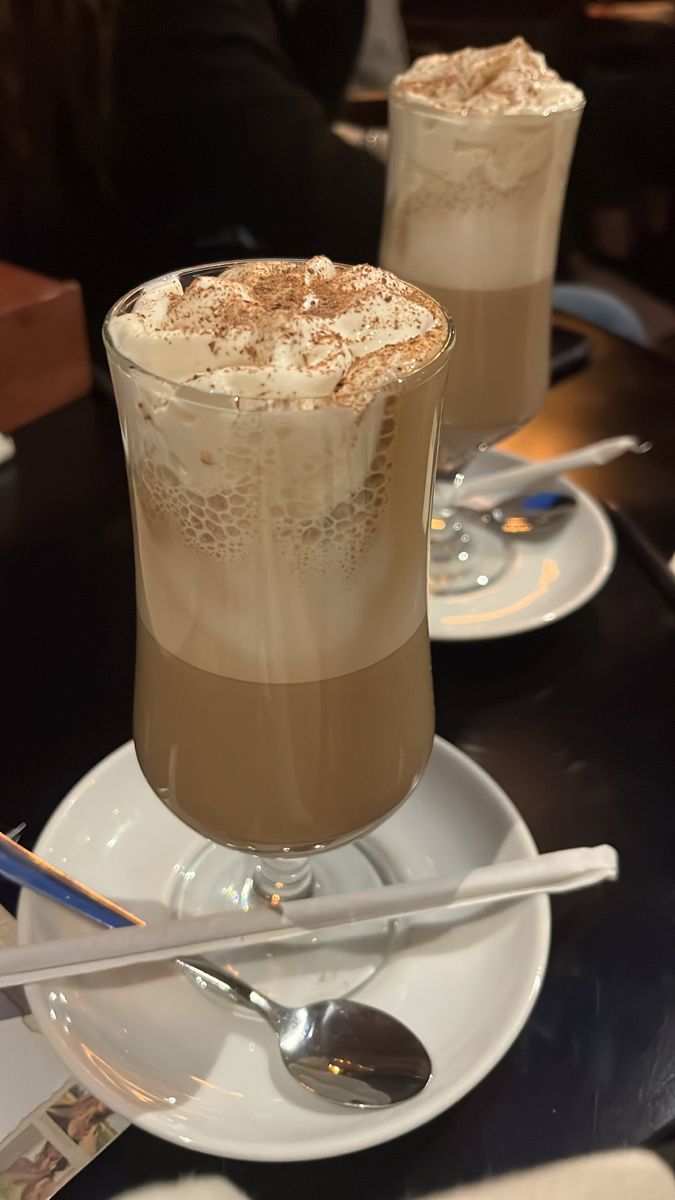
<point x="278" y="334"/>
<point x="508" y="79"/>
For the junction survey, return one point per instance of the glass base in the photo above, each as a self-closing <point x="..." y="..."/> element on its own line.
<point x="467" y="552"/>
<point x="318" y="966"/>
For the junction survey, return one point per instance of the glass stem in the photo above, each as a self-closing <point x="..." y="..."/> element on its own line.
<point x="279" y="879"/>
<point x="445" y="529"/>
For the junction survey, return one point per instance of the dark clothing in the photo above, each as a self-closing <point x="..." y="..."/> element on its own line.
<point x="215" y="142"/>
<point x="216" y="127"/>
<point x="628" y="133"/>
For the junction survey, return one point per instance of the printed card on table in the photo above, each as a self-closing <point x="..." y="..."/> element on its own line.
<point x="50" y="1125"/>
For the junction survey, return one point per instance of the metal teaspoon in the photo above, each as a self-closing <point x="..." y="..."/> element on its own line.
<point x="540" y="512"/>
<point x="345" y="1051"/>
<point x="531" y="514"/>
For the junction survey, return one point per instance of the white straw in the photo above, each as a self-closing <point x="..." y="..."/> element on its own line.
<point x="517" y="480"/>
<point x="561" y="871"/>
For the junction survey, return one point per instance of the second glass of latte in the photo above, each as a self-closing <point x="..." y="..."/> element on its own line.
<point x="480" y="148"/>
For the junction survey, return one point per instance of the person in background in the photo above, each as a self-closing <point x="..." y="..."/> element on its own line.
<point x="627" y="158"/>
<point x="138" y="137"/>
<point x="383" y="52"/>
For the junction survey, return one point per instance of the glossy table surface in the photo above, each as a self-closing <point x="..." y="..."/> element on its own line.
<point x="575" y="722"/>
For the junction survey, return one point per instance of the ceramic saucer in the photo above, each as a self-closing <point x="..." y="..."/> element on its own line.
<point x="209" y="1076"/>
<point x="543" y="581"/>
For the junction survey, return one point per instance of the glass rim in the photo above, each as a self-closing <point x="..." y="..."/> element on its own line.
<point x="420" y="109"/>
<point x="196" y="396"/>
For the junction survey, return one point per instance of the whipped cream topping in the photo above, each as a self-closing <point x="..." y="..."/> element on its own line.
<point x="274" y="334"/>
<point x="508" y="79"/>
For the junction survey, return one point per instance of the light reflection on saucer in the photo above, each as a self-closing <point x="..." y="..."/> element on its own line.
<point x="546" y="579"/>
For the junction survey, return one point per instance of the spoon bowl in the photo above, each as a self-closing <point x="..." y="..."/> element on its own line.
<point x="353" y="1054"/>
<point x="541" y="512"/>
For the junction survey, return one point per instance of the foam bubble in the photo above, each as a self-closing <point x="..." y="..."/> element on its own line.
<point x="319" y="486"/>
<point x="284" y="542"/>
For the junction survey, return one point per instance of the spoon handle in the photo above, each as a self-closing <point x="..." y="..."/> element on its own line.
<point x="21" y="866"/>
<point x="228" y="983"/>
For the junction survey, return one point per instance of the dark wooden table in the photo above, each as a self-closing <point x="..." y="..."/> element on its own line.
<point x="575" y="721"/>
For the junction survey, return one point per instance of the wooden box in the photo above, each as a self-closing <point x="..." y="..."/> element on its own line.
<point x="44" y="353"/>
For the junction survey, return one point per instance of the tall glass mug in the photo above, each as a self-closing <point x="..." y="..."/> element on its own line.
<point x="472" y="217"/>
<point x="283" y="697"/>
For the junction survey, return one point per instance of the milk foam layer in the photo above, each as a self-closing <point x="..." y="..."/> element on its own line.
<point x="481" y="142"/>
<point x="494" y="80"/>
<point x="280" y="530"/>
<point x="282" y="335"/>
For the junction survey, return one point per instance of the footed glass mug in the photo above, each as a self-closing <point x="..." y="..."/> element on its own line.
<point x="472" y="217"/>
<point x="283" y="699"/>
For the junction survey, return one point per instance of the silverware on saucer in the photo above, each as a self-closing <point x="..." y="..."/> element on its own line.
<point x="520" y="516"/>
<point x="538" y="513"/>
<point x="342" y="1050"/>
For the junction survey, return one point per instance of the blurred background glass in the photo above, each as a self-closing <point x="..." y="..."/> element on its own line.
<point x="137" y="137"/>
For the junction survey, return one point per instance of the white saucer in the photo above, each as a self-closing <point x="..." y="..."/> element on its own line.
<point x="209" y="1076"/>
<point x="543" y="580"/>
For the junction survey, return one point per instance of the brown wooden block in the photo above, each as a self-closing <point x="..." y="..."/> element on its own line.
<point x="44" y="354"/>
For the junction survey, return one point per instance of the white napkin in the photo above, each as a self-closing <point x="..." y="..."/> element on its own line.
<point x="619" y="1175"/>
